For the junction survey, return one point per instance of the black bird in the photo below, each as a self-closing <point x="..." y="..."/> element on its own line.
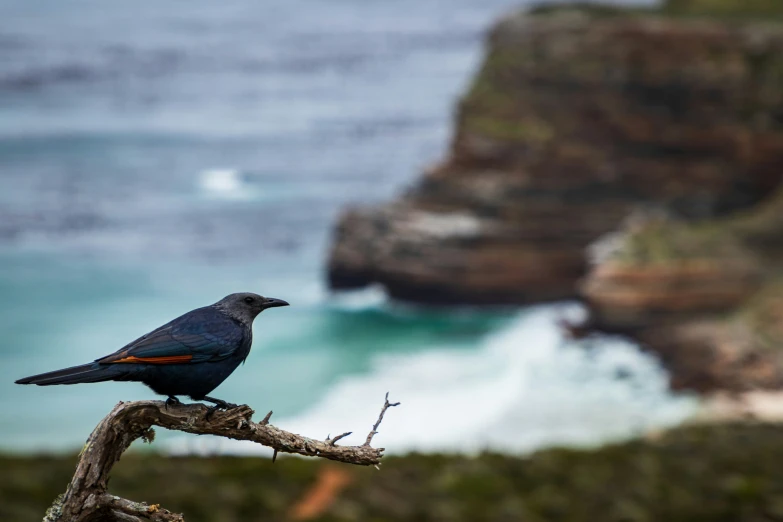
<point x="192" y="355"/>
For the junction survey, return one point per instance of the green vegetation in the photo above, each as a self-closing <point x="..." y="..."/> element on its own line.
<point x="762" y="316"/>
<point x="748" y="236"/>
<point x="502" y="105"/>
<point x="594" y="9"/>
<point x="737" y="9"/>
<point x="705" y="473"/>
<point x="665" y="242"/>
<point x="760" y="229"/>
<point x="491" y="108"/>
<point x="726" y="8"/>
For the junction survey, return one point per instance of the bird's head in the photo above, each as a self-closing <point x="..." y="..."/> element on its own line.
<point x="246" y="306"/>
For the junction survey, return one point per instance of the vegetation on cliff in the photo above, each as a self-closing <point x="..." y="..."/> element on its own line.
<point x="577" y="116"/>
<point x="706" y="295"/>
<point x="580" y="115"/>
<point x="727" y="8"/>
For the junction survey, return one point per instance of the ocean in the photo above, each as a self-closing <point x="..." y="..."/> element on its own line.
<point x="156" y="156"/>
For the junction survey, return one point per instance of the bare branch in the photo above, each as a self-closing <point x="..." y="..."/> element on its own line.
<point x="333" y="441"/>
<point x="137" y="512"/>
<point x="386" y="406"/>
<point x="87" y="500"/>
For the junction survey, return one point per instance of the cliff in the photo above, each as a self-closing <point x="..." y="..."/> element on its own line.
<point x="706" y="296"/>
<point x="577" y="117"/>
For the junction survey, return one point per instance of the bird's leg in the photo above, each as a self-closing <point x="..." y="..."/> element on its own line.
<point x="218" y="405"/>
<point x="172" y="401"/>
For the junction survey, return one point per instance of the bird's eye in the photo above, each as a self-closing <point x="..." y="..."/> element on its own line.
<point x="249" y="300"/>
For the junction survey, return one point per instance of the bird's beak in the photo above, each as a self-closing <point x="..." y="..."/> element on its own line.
<point x="271" y="302"/>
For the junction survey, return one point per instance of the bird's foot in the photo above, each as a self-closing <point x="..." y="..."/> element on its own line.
<point x="172" y="401"/>
<point x="218" y="405"/>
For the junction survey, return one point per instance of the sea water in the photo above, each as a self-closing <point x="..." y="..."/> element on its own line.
<point x="157" y="156"/>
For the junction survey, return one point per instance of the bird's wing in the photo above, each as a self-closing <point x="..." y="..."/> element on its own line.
<point x="199" y="336"/>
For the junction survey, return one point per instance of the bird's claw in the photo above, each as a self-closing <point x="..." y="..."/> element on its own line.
<point x="220" y="405"/>
<point x="172" y="401"/>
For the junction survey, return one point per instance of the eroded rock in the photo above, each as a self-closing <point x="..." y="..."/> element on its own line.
<point x="574" y="120"/>
<point x="707" y="297"/>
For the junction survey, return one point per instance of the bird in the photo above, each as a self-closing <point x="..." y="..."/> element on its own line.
<point x="190" y="355"/>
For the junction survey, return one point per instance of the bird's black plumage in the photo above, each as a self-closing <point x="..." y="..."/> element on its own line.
<point x="191" y="355"/>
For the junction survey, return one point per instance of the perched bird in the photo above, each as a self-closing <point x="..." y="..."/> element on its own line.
<point x="192" y="355"/>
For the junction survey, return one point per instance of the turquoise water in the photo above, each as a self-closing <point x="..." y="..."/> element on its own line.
<point x="156" y="157"/>
<point x="77" y="310"/>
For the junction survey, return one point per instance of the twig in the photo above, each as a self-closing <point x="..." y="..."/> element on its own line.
<point x="126" y="510"/>
<point x="374" y="431"/>
<point x="333" y="441"/>
<point x="87" y="500"/>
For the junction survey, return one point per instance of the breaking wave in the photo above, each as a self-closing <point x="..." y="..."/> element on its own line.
<point x="224" y="183"/>
<point x="524" y="388"/>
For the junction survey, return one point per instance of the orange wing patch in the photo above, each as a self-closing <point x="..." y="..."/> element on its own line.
<point x="173" y="359"/>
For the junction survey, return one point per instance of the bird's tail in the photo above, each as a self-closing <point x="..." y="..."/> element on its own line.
<point x="90" y="372"/>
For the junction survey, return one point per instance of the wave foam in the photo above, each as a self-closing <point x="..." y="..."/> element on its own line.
<point x="369" y="298"/>
<point x="223" y="183"/>
<point x="524" y="388"/>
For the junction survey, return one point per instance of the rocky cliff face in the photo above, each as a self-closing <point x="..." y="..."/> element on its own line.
<point x="706" y="296"/>
<point x="575" y="119"/>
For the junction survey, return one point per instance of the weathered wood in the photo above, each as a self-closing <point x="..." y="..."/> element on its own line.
<point x="87" y="499"/>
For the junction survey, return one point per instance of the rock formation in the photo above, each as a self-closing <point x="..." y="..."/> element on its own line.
<point x="576" y="118"/>
<point x="581" y="121"/>
<point x="706" y="296"/>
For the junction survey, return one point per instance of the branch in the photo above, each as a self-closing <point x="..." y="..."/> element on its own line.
<point x="87" y="500"/>
<point x="374" y="431"/>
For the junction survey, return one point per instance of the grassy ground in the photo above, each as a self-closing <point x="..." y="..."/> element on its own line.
<point x="717" y="473"/>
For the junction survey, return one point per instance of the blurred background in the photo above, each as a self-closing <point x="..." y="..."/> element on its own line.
<point x="536" y="226"/>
